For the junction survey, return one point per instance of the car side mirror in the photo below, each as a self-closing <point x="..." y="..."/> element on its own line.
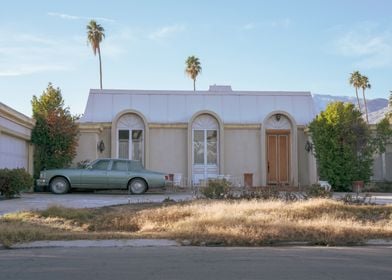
<point x="89" y="167"/>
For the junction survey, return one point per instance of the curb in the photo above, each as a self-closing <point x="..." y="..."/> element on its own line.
<point x="96" y="243"/>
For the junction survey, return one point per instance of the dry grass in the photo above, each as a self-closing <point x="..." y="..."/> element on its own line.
<point x="321" y="221"/>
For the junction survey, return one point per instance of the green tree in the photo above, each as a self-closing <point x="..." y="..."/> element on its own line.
<point x="95" y="35"/>
<point x="342" y="145"/>
<point x="365" y="85"/>
<point x="193" y="68"/>
<point x="355" y="81"/>
<point x="55" y="132"/>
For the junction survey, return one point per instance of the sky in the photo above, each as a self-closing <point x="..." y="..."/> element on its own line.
<point x="302" y="45"/>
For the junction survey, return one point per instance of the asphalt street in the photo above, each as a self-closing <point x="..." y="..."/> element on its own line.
<point x="197" y="263"/>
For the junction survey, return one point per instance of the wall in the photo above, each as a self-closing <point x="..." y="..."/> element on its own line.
<point x="303" y="159"/>
<point x="168" y="150"/>
<point x="16" y="150"/>
<point x="242" y="153"/>
<point x="382" y="166"/>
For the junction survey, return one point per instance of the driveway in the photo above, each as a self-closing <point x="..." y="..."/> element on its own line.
<point x="31" y="201"/>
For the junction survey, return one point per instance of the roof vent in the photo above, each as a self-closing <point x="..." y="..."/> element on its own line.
<point x="220" y="88"/>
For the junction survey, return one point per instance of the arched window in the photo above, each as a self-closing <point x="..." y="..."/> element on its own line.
<point x="130" y="132"/>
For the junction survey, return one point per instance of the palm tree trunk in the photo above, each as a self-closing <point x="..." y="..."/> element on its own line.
<point x="366" y="111"/>
<point x="100" y="66"/>
<point x="194" y="84"/>
<point x="359" y="105"/>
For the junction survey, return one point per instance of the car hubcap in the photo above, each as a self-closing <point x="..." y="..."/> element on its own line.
<point x="60" y="186"/>
<point x="137" y="187"/>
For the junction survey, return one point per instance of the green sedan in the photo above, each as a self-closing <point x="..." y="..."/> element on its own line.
<point x="103" y="174"/>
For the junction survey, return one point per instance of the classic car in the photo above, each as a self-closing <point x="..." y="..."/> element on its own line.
<point x="104" y="173"/>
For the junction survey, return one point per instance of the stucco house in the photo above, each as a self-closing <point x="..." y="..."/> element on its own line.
<point x="16" y="150"/>
<point x="257" y="137"/>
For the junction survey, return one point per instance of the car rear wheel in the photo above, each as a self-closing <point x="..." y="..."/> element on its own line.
<point x="59" y="185"/>
<point x="137" y="186"/>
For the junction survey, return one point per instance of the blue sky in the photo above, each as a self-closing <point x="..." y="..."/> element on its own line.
<point x="250" y="45"/>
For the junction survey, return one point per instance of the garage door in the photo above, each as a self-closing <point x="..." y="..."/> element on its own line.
<point x="13" y="152"/>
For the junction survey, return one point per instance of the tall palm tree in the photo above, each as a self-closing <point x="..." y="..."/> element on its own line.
<point x="355" y="81"/>
<point x="364" y="85"/>
<point x="193" y="68"/>
<point x="95" y="34"/>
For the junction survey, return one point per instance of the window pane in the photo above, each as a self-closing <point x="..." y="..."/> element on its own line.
<point x="101" y="165"/>
<point x="137" y="144"/>
<point x="123" y="134"/>
<point x="120" y="165"/>
<point x="198" y="146"/>
<point x="212" y="137"/>
<point x="123" y="144"/>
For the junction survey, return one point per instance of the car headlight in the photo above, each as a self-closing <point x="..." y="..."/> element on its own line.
<point x="42" y="175"/>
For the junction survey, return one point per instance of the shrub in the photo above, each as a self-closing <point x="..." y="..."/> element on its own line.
<point x="316" y="191"/>
<point x="13" y="181"/>
<point x="216" y="189"/>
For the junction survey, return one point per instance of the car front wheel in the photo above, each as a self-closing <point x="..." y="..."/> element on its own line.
<point x="59" y="185"/>
<point x="137" y="186"/>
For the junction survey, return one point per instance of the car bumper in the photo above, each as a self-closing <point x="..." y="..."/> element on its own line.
<point x="42" y="182"/>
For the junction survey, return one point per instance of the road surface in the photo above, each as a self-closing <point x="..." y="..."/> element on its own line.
<point x="197" y="263"/>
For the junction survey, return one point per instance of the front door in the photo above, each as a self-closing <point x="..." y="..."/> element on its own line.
<point x="278" y="157"/>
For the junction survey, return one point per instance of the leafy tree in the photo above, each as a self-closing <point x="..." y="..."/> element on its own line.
<point x="365" y="85"/>
<point x="55" y="132"/>
<point x="193" y="68"/>
<point x="355" y="81"/>
<point x="95" y="35"/>
<point x="342" y="145"/>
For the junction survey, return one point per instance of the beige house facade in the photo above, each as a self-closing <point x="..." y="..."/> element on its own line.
<point x="254" y="138"/>
<point x="16" y="150"/>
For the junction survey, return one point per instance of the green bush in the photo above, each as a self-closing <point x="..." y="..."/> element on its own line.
<point x="13" y="181"/>
<point x="216" y="189"/>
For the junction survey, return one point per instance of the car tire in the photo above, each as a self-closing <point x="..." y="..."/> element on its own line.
<point x="137" y="186"/>
<point x="59" y="185"/>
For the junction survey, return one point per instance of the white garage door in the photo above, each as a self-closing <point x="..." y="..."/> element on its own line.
<point x="13" y="152"/>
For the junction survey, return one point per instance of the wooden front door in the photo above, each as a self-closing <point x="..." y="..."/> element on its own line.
<point x="278" y="157"/>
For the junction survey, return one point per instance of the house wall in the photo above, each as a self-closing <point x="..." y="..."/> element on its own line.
<point x="382" y="166"/>
<point x="16" y="150"/>
<point x="242" y="153"/>
<point x="168" y="150"/>
<point x="304" y="178"/>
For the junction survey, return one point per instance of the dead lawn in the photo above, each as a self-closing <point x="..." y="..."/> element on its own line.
<point x="240" y="223"/>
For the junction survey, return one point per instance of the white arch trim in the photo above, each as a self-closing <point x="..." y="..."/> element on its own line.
<point x="115" y="122"/>
<point x="221" y="140"/>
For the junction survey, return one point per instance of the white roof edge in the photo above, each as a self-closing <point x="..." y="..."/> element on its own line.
<point x="198" y="92"/>
<point x="16" y="114"/>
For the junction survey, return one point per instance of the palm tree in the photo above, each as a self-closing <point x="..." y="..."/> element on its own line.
<point x="364" y="85"/>
<point x="95" y="34"/>
<point x="355" y="81"/>
<point x="193" y="68"/>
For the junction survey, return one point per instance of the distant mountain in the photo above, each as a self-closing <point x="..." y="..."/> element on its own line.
<point x="376" y="107"/>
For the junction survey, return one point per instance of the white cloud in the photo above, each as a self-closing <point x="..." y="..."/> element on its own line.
<point x="166" y="31"/>
<point x="72" y="17"/>
<point x="369" y="47"/>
